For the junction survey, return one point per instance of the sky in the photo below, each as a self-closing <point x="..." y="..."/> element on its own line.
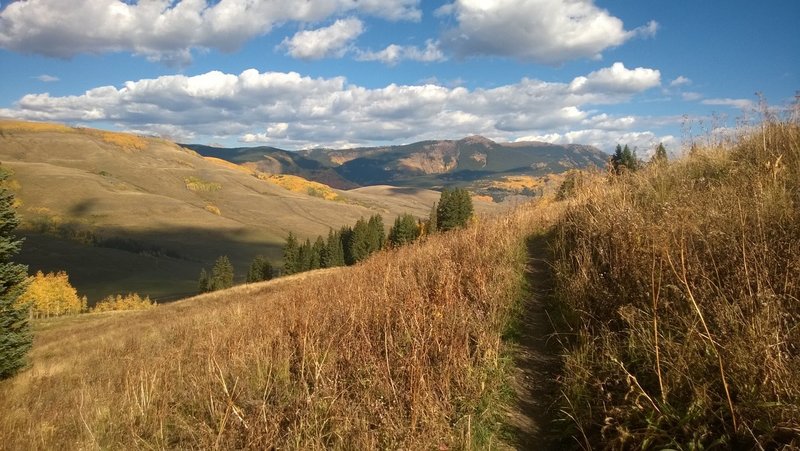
<point x="343" y="73"/>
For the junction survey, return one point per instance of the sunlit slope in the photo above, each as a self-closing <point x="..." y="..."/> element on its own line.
<point x="150" y="202"/>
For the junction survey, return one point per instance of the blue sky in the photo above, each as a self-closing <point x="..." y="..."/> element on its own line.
<point x="335" y="73"/>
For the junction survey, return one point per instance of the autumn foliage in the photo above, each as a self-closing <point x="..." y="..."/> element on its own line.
<point x="52" y="295"/>
<point x="131" y="301"/>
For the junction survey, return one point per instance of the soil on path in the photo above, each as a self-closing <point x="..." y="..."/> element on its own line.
<point x="536" y="357"/>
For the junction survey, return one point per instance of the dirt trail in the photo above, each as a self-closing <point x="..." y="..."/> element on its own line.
<point x="537" y="360"/>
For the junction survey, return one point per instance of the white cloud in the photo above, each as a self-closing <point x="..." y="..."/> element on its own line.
<point x="546" y="31"/>
<point x="735" y="103"/>
<point x="46" y="78"/>
<point x="617" y="79"/>
<point x="291" y="110"/>
<point x="166" y="30"/>
<point x="643" y="141"/>
<point x="680" y="81"/>
<point x="394" y="53"/>
<point x="324" y="42"/>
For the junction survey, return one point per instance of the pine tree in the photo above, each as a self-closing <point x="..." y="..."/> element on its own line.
<point x="221" y="274"/>
<point x="454" y="210"/>
<point x="346" y="235"/>
<point x="404" y="230"/>
<point x="377" y="234"/>
<point x="624" y="159"/>
<point x="316" y="253"/>
<point x="432" y="225"/>
<point x="202" y="284"/>
<point x="660" y="156"/>
<point x="304" y="257"/>
<point x="290" y="255"/>
<point x="15" y="335"/>
<point x="335" y="249"/>
<point x="260" y="270"/>
<point x="360" y="241"/>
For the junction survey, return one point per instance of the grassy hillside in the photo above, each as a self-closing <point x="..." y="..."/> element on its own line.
<point x="402" y="351"/>
<point x="676" y="304"/>
<point x="680" y="288"/>
<point x="124" y="213"/>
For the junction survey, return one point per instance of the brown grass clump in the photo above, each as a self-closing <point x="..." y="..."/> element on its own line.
<point x="682" y="285"/>
<point x="403" y="351"/>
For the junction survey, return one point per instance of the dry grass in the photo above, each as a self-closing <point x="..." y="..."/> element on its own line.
<point x="10" y="126"/>
<point x="682" y="286"/>
<point x="403" y="351"/>
<point x="227" y="164"/>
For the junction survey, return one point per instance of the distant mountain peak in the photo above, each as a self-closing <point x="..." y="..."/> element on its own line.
<point x="478" y="139"/>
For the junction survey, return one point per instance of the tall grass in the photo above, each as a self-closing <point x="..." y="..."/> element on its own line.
<point x="403" y="351"/>
<point x="682" y="288"/>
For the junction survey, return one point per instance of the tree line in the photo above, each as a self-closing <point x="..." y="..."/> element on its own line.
<point x="348" y="245"/>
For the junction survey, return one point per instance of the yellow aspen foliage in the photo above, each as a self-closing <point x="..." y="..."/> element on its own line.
<point x="52" y="295"/>
<point x="132" y="301"/>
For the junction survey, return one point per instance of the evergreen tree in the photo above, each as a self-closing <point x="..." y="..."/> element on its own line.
<point x="432" y="225"/>
<point x="404" y="230"/>
<point x="291" y="255"/>
<point x="203" y="285"/>
<point x="15" y="335"/>
<point x="346" y="236"/>
<point x="660" y="156"/>
<point x="260" y="270"/>
<point x="360" y="241"/>
<point x="221" y="274"/>
<point x="335" y="249"/>
<point x="304" y="256"/>
<point x="624" y="159"/>
<point x="377" y="234"/>
<point x="316" y="253"/>
<point x="454" y="210"/>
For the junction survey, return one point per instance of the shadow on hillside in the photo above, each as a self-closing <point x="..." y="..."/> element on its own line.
<point x="162" y="264"/>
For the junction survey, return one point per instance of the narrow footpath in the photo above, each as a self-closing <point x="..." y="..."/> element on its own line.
<point x="537" y="360"/>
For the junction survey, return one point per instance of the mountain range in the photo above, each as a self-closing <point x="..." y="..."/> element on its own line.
<point x="477" y="163"/>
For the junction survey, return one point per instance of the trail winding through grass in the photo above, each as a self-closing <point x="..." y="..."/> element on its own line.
<point x="536" y="356"/>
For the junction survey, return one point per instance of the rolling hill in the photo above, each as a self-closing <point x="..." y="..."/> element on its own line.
<point x="123" y="213"/>
<point x="475" y="162"/>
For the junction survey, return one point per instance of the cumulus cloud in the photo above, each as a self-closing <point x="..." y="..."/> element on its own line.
<point x="394" y="53"/>
<point x="617" y="79"/>
<point x="545" y="31"/>
<point x="742" y="104"/>
<point x="324" y="42"/>
<point x="166" y="30"/>
<point x="643" y="141"/>
<point x="292" y="110"/>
